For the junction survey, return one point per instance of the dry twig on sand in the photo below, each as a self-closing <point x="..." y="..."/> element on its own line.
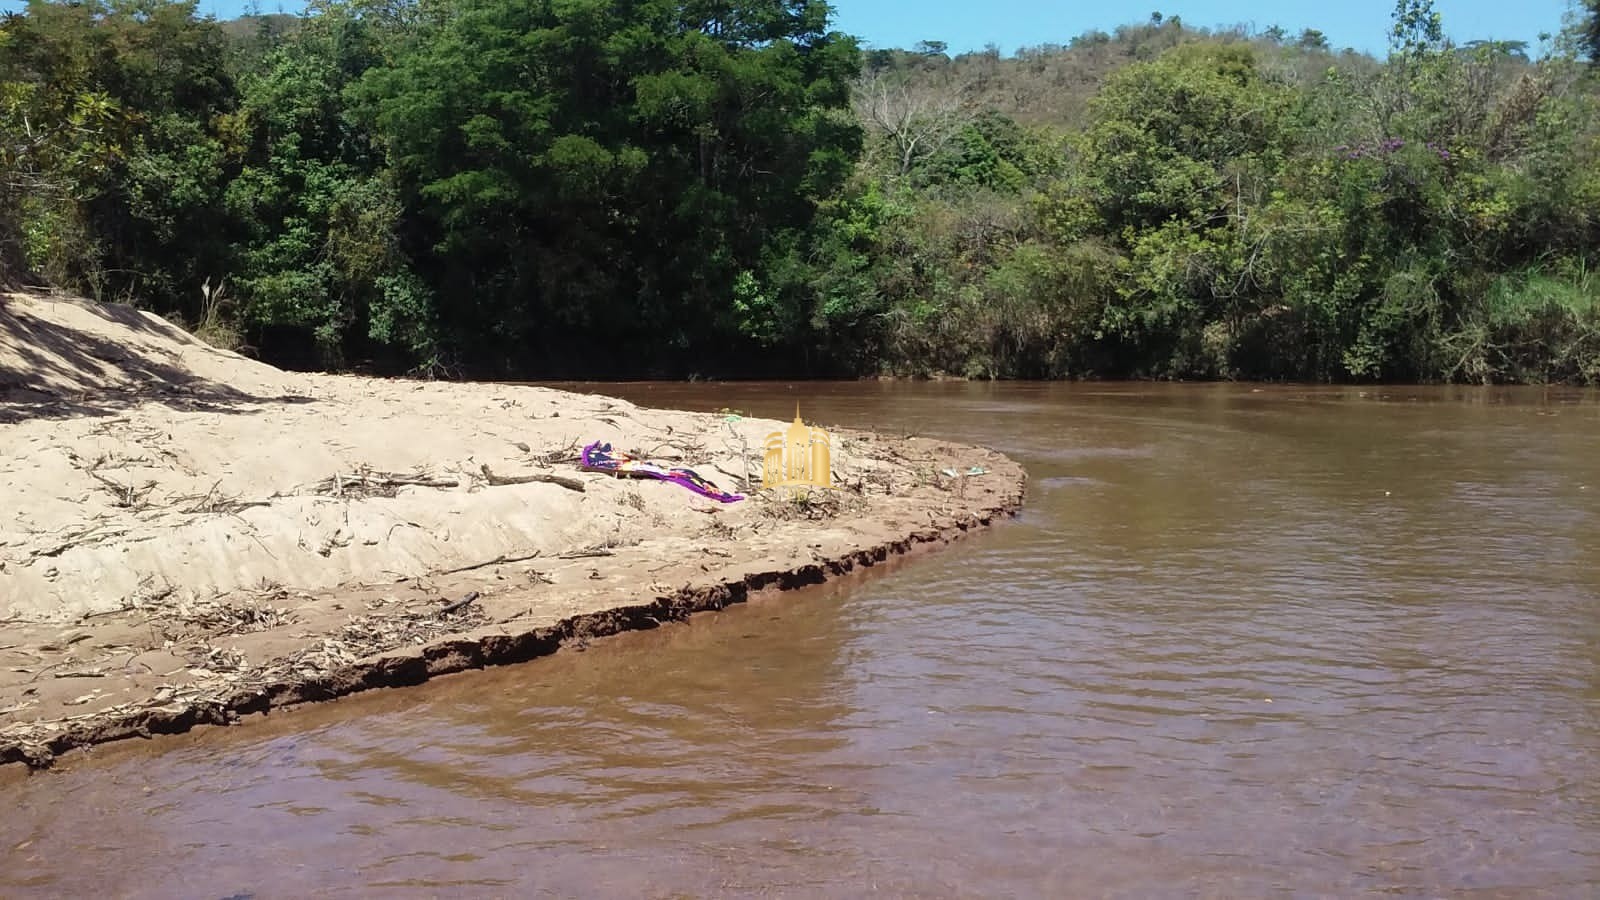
<point x="128" y="496"/>
<point x="369" y="483"/>
<point x="569" y="453"/>
<point x="502" y="559"/>
<point x="214" y="501"/>
<point x="571" y="484"/>
<point x="447" y="610"/>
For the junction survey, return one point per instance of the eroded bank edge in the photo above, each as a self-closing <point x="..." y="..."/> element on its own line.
<point x="469" y="650"/>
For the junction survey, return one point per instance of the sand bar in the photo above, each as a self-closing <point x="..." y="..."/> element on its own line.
<point x="188" y="536"/>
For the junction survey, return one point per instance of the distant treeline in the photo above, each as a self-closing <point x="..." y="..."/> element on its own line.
<point x="700" y="188"/>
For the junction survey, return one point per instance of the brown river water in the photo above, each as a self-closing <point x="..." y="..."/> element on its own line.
<point x="1241" y="642"/>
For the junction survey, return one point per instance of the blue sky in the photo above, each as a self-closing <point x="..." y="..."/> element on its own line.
<point x="1362" y="24"/>
<point x="969" y="25"/>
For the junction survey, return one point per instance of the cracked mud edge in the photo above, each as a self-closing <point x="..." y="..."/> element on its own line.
<point x="462" y="652"/>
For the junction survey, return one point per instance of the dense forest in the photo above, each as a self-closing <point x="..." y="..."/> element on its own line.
<point x="709" y="188"/>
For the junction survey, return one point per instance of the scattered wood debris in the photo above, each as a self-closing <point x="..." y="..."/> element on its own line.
<point x="370" y="483"/>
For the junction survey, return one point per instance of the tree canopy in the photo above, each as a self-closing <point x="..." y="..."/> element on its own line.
<point x="541" y="188"/>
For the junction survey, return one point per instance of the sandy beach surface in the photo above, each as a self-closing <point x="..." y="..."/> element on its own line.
<point x="188" y="536"/>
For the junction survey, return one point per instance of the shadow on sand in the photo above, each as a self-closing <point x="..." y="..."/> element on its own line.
<point x="36" y="353"/>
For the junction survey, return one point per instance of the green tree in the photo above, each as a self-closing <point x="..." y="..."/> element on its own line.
<point x="1312" y="39"/>
<point x="1177" y="154"/>
<point x="320" y="248"/>
<point x="119" y="168"/>
<point x="593" y="175"/>
<point x="1589" y="30"/>
<point x="1417" y="30"/>
<point x="584" y="186"/>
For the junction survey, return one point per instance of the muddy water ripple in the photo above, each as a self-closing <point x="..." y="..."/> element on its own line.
<point x="1242" y="642"/>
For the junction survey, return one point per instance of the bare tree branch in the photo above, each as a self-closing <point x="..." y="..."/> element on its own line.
<point x="916" y="117"/>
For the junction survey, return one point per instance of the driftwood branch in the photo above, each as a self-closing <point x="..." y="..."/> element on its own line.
<point x="498" y="560"/>
<point x="459" y="604"/>
<point x="571" y="484"/>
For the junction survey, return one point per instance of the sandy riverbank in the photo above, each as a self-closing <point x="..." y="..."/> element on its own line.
<point x="190" y="536"/>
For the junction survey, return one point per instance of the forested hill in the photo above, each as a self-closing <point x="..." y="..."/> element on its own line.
<point x="668" y="188"/>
